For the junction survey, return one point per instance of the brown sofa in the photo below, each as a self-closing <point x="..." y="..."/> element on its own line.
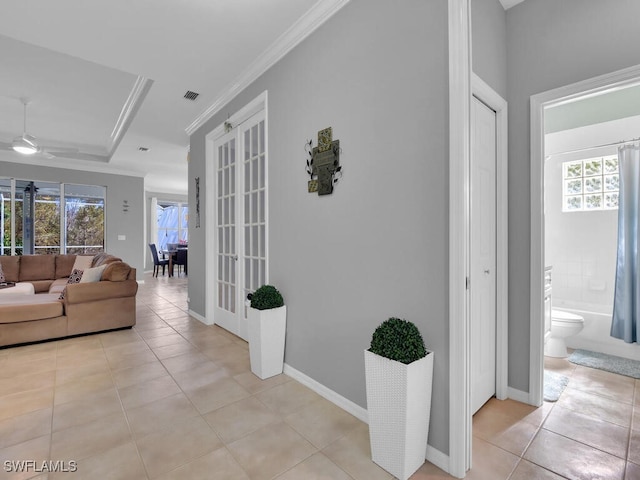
<point x="87" y="307"/>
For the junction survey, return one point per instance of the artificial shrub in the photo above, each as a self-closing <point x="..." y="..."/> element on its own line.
<point x="399" y="340"/>
<point x="266" y="297"/>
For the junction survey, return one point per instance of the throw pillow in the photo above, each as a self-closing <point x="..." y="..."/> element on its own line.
<point x="76" y="276"/>
<point x="2" y="279"/>
<point x="63" y="293"/>
<point x="82" y="262"/>
<point x="92" y="274"/>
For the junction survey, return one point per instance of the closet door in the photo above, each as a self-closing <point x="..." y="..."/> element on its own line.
<point x="241" y="221"/>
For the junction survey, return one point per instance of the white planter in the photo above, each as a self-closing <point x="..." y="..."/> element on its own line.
<point x="398" y="406"/>
<point x="267" y="329"/>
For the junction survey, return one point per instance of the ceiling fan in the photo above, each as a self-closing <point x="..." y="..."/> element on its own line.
<point x="26" y="144"/>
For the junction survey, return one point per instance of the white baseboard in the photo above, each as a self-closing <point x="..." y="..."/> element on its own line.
<point x="438" y="458"/>
<point x="342" y="402"/>
<point x="432" y="454"/>
<point x="199" y="317"/>
<point x="519" y="395"/>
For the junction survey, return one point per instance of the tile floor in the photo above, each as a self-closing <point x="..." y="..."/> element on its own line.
<point x="175" y="399"/>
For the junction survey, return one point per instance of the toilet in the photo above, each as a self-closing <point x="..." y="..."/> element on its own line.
<point x="563" y="325"/>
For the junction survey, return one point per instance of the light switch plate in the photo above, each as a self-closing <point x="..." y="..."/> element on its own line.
<point x="122" y="237"/>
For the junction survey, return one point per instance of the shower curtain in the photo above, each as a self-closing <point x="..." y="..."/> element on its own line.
<point x="626" y="302"/>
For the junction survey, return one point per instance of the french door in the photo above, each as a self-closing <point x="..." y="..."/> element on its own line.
<point x="240" y="160"/>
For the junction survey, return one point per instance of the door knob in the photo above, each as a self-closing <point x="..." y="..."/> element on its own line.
<point x="487" y="272"/>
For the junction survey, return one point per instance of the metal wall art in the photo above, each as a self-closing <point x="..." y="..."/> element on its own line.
<point x="323" y="163"/>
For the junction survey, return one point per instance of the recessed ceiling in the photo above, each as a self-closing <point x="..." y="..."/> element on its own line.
<point x="80" y="63"/>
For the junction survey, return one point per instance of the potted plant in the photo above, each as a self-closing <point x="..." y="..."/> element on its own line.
<point x="399" y="374"/>
<point x="267" y="319"/>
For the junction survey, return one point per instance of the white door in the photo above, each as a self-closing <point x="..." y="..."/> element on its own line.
<point x="483" y="254"/>
<point x="241" y="221"/>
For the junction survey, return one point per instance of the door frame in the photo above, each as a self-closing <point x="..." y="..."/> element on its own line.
<point x="257" y="105"/>
<point x="592" y="86"/>
<point x="460" y="91"/>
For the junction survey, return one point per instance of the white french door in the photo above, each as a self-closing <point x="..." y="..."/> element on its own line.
<point x="240" y="159"/>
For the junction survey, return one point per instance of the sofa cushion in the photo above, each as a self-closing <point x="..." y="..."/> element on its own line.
<point x="37" y="267"/>
<point x="2" y="279"/>
<point x="64" y="265"/>
<point x="116" y="272"/>
<point x="11" y="267"/>
<point x="41" y="286"/>
<point x="83" y="262"/>
<point x="30" y="307"/>
<point x="58" y="285"/>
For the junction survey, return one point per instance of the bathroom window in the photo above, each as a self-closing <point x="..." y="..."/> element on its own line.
<point x="590" y="184"/>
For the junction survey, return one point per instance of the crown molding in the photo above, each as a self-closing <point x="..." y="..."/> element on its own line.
<point x="129" y="109"/>
<point x="74" y="165"/>
<point x="507" y="4"/>
<point x="307" y="24"/>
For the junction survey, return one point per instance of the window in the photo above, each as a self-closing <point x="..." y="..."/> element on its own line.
<point x="44" y="217"/>
<point x="590" y="184"/>
<point x="172" y="221"/>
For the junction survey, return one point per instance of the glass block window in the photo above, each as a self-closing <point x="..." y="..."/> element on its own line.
<point x="590" y="184"/>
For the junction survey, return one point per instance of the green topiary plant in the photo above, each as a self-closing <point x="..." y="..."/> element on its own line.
<point x="398" y="340"/>
<point x="266" y="297"/>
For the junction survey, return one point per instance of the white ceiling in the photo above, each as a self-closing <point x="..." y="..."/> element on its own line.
<point x="109" y="77"/>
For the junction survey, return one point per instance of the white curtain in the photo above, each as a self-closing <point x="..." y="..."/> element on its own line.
<point x="153" y="220"/>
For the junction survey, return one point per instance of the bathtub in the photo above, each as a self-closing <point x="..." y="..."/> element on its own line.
<point x="596" y="334"/>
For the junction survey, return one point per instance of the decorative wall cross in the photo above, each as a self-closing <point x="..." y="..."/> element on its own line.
<point x="323" y="164"/>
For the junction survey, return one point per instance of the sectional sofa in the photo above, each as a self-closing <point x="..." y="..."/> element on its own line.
<point x="85" y="307"/>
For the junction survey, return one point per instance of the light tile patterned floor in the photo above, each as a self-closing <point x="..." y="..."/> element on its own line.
<point x="175" y="399"/>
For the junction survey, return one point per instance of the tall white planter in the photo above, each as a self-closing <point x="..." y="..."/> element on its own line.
<point x="267" y="330"/>
<point x="399" y="407"/>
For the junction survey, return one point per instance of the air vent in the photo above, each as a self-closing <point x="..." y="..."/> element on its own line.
<point x="191" y="95"/>
<point x="143" y="149"/>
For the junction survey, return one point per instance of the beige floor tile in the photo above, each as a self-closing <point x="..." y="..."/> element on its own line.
<point x="129" y="348"/>
<point x="25" y="402"/>
<point x="316" y="467"/>
<point x="79" y="388"/>
<point x="168" y="351"/>
<point x="146" y="392"/>
<point x="200" y="375"/>
<point x="118" y="463"/>
<point x="605" y="384"/>
<point x="235" y="366"/>
<point x="529" y="471"/>
<point x="164" y="340"/>
<point x="240" y="418"/>
<point x="216" y="394"/>
<point x="503" y="431"/>
<point x="86" y="409"/>
<point x="91" y="438"/>
<point x="70" y="360"/>
<point x="634" y="447"/>
<point x="270" y="451"/>
<point x="68" y="374"/>
<point x="559" y="365"/>
<point x="599" y="434"/>
<point x="118" y="338"/>
<point x="632" y="472"/>
<point x="35" y="450"/>
<point x="516" y="411"/>
<point x="635" y="422"/>
<point x="165" y="450"/>
<point x="132" y="360"/>
<point x="255" y="384"/>
<point x="321" y="422"/>
<point x="185" y="362"/>
<point x="572" y="459"/>
<point x="79" y="346"/>
<point x="156" y="332"/>
<point x="490" y="462"/>
<point x="225" y="352"/>
<point x="287" y="397"/>
<point x="596" y="406"/>
<point x="217" y="465"/>
<point x="21" y="383"/>
<point x="428" y="471"/>
<point x="160" y="414"/>
<point x="352" y="453"/>
<point x="13" y="367"/>
<point x="125" y="377"/>
<point x="25" y="427"/>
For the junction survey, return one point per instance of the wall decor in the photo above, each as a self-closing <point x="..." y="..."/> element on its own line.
<point x="125" y="206"/>
<point x="323" y="163"/>
<point x="197" y="202"/>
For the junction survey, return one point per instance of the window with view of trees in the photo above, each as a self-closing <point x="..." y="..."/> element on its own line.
<point x="66" y="218"/>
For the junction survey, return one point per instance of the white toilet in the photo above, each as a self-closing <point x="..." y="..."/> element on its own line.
<point x="563" y="325"/>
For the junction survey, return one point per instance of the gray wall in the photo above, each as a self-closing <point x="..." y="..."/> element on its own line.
<point x="377" y="247"/>
<point x="551" y="44"/>
<point x="489" y="43"/>
<point x="119" y="188"/>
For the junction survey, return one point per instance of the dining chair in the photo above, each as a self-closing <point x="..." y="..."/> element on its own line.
<point x="181" y="260"/>
<point x="157" y="263"/>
